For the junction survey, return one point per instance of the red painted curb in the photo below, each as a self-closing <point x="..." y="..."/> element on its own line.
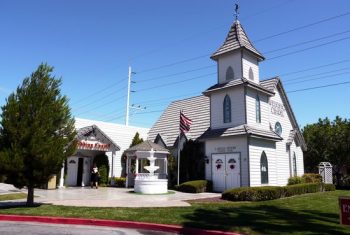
<point x="114" y="223"/>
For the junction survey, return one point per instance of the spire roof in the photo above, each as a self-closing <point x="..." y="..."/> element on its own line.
<point x="236" y="39"/>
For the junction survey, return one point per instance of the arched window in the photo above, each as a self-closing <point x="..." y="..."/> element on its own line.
<point x="295" y="164"/>
<point x="251" y="74"/>
<point x="264" y="169"/>
<point x="227" y="109"/>
<point x="229" y="74"/>
<point x="257" y="109"/>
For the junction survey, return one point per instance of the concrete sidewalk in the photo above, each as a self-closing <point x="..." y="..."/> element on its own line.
<point x="110" y="197"/>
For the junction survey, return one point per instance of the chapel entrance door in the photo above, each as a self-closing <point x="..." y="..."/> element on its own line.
<point x="80" y="171"/>
<point x="226" y="171"/>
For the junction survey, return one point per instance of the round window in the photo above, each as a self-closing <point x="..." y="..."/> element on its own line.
<point x="278" y="128"/>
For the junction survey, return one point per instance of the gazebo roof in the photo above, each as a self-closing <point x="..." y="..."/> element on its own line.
<point x="147" y="146"/>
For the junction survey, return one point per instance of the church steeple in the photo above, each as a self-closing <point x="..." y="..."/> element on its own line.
<point x="236" y="39"/>
<point x="237" y="58"/>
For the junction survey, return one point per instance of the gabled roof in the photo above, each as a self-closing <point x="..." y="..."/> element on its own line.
<point x="147" y="146"/>
<point x="237" y="82"/>
<point x="236" y="39"/>
<point x="95" y="131"/>
<point x="275" y="83"/>
<point x="240" y="130"/>
<point x="167" y="126"/>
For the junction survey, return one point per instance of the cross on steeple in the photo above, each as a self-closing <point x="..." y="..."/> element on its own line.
<point x="236" y="11"/>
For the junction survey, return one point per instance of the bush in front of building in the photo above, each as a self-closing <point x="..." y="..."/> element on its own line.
<point x="102" y="164"/>
<point x="253" y="193"/>
<point x="196" y="186"/>
<point x="295" y="180"/>
<point x="274" y="192"/>
<point x="328" y="187"/>
<point x="119" y="182"/>
<point x="312" y="178"/>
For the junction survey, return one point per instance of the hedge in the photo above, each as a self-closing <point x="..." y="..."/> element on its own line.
<point x="196" y="186"/>
<point x="273" y="192"/>
<point x="312" y="178"/>
<point x="119" y="182"/>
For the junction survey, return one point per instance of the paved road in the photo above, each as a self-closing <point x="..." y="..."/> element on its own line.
<point x="19" y="228"/>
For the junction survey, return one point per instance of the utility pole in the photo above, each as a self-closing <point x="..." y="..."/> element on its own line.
<point x="128" y="99"/>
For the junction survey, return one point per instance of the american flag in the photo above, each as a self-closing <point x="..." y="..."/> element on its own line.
<point x="185" y="123"/>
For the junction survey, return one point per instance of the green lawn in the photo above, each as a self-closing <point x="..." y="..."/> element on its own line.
<point x="12" y="196"/>
<point x="306" y="214"/>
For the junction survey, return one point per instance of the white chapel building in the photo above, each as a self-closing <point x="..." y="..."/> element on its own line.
<point x="247" y="126"/>
<point x="96" y="138"/>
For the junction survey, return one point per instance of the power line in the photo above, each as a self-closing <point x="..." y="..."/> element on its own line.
<point x="313" y="75"/>
<point x="174" y="74"/>
<point x="177" y="82"/>
<point x="98" y="91"/>
<point x="318" y="87"/>
<point x="99" y="106"/>
<point x="308" y="48"/>
<point x="98" y="100"/>
<point x="305" y="42"/>
<point x="313" y="68"/>
<point x="303" y="27"/>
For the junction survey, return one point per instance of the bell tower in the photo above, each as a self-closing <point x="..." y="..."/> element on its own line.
<point x="237" y="58"/>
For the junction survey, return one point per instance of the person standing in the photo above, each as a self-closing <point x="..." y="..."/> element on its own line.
<point x="94" y="176"/>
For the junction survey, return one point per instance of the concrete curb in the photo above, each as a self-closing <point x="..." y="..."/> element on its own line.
<point x="114" y="223"/>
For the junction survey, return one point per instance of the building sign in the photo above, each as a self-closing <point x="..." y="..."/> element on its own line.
<point x="344" y="206"/>
<point x="225" y="149"/>
<point x="277" y="108"/>
<point x="93" y="146"/>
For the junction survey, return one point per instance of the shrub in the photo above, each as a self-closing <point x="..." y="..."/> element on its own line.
<point x="253" y="194"/>
<point x="119" y="182"/>
<point x="328" y="187"/>
<point x="196" y="186"/>
<point x="298" y="189"/>
<point x="295" y="180"/>
<point x="273" y="192"/>
<point x="103" y="168"/>
<point x="312" y="178"/>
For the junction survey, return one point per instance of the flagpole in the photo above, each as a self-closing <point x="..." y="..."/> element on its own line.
<point x="178" y="155"/>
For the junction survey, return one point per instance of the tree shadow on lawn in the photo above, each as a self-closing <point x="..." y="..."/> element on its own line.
<point x="265" y="219"/>
<point x="17" y="204"/>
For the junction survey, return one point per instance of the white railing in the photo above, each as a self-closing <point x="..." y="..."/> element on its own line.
<point x="146" y="176"/>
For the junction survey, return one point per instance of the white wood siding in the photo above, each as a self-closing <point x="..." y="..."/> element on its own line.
<point x="250" y="61"/>
<point x="239" y="144"/>
<point x="236" y="95"/>
<point x="234" y="60"/>
<point x="122" y="135"/>
<point x="299" y="158"/>
<point x="251" y="109"/>
<point x="256" y="147"/>
<point x="283" y="161"/>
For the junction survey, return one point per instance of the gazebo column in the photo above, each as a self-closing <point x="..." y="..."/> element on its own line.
<point x="166" y="166"/>
<point x="137" y="166"/>
<point x="127" y="171"/>
<point x="61" y="185"/>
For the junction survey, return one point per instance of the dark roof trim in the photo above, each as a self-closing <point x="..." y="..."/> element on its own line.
<point x="82" y="132"/>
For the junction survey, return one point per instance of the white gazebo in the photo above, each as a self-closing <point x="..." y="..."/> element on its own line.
<point x="147" y="179"/>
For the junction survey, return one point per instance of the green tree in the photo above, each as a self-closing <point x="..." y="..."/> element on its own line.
<point x="37" y="131"/>
<point x="135" y="141"/>
<point x="328" y="141"/>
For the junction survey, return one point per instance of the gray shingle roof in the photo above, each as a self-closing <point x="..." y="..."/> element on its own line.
<point x="270" y="84"/>
<point x="236" y="39"/>
<point x="147" y="146"/>
<point x="237" y="82"/>
<point x="167" y="126"/>
<point x="240" y="130"/>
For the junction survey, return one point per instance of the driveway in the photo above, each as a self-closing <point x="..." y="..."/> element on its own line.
<point x="112" y="197"/>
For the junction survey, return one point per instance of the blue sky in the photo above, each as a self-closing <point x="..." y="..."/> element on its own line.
<point x="92" y="43"/>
